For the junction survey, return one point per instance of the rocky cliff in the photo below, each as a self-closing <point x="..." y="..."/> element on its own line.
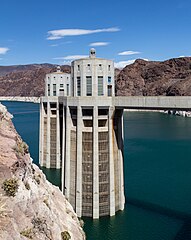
<point x="25" y="80"/>
<point x="30" y="206"/>
<point x="148" y="78"/>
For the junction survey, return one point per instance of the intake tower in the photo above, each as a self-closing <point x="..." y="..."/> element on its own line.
<point x="81" y="132"/>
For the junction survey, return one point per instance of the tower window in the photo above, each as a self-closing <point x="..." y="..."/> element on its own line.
<point x="88" y="86"/>
<point x="109" y="90"/>
<point x="54" y="89"/>
<point x="100" y="85"/>
<point x="67" y="89"/>
<point x="78" y="86"/>
<point x="88" y="67"/>
<point x="48" y="89"/>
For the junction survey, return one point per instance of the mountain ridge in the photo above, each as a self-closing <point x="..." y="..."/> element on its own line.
<point x="142" y="78"/>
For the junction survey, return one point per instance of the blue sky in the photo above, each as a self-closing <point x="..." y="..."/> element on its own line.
<point x="40" y="31"/>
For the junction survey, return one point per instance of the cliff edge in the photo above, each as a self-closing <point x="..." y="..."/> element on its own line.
<point x="149" y="78"/>
<point x="30" y="206"/>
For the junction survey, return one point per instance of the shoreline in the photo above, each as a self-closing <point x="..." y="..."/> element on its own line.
<point x="21" y="99"/>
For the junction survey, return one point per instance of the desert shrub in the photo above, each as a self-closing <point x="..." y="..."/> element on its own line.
<point x="10" y="186"/>
<point x="28" y="233"/>
<point x="21" y="148"/>
<point x="65" y="235"/>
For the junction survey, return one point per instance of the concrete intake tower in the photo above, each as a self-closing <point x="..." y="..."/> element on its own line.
<point x="81" y="132"/>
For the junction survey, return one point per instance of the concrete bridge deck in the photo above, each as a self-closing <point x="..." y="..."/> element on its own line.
<point x="130" y="102"/>
<point x="154" y="102"/>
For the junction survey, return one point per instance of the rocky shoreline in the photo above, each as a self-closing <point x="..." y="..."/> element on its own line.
<point x="171" y="112"/>
<point x="30" y="206"/>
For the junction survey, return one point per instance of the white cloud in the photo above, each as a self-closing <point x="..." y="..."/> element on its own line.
<point x="3" y="50"/>
<point x="58" y="34"/>
<point x="71" y="57"/>
<point x="122" y="64"/>
<point x="98" y="44"/>
<point x="64" y="63"/>
<point x="62" y="43"/>
<point x="125" y="53"/>
<point x="54" y="45"/>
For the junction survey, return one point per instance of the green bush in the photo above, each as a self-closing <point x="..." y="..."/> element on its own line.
<point x="28" y="233"/>
<point x="65" y="235"/>
<point x="10" y="186"/>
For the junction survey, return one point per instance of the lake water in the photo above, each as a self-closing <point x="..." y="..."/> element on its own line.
<point x="157" y="169"/>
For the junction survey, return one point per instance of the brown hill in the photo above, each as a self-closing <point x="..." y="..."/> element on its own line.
<point x="148" y="78"/>
<point x="25" y="80"/>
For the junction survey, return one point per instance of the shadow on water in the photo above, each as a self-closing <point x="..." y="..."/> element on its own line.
<point x="53" y="175"/>
<point x="184" y="233"/>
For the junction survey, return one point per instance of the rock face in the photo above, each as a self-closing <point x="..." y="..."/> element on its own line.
<point x="30" y="206"/>
<point x="147" y="78"/>
<point x="25" y="80"/>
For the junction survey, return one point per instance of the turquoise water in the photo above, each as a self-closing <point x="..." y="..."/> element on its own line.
<point x="157" y="169"/>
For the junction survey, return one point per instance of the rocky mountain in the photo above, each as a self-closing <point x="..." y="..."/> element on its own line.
<point x="30" y="206"/>
<point x="149" y="78"/>
<point x="25" y="80"/>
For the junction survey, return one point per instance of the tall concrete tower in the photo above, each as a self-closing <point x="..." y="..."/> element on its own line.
<point x="89" y="133"/>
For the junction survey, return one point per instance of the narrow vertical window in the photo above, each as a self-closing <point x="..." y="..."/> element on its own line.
<point x="100" y="85"/>
<point x="54" y="89"/>
<point x="109" y="90"/>
<point x="67" y="89"/>
<point x="78" y="86"/>
<point x="88" y="67"/>
<point x="88" y="86"/>
<point x="48" y="89"/>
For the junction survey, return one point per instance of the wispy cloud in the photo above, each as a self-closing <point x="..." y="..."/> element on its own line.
<point x="125" y="53"/>
<point x="62" y="43"/>
<point x="61" y="33"/>
<point x="71" y="57"/>
<point x="3" y="50"/>
<point x="64" y="63"/>
<point x="99" y="44"/>
<point x="122" y="64"/>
